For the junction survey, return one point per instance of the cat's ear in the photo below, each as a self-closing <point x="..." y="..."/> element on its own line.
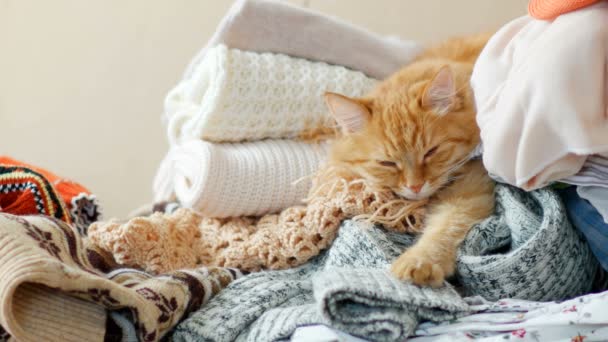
<point x="351" y="114"/>
<point x="440" y="93"/>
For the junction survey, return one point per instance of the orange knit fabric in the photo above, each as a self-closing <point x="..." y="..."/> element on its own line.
<point x="26" y="189"/>
<point x="550" y="9"/>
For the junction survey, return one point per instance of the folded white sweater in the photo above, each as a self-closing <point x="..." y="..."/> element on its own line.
<point x="235" y="95"/>
<point x="242" y="179"/>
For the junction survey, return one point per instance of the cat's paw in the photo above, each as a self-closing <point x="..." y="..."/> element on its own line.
<point x="418" y="268"/>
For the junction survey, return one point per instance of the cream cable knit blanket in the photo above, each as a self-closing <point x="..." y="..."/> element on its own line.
<point x="240" y="179"/>
<point x="235" y="95"/>
<point x="184" y="239"/>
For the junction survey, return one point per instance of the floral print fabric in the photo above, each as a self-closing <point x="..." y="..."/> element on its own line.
<point x="581" y="319"/>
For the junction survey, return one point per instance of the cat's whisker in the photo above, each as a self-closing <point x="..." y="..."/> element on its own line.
<point x="457" y="165"/>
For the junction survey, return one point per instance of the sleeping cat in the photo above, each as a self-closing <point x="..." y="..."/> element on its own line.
<point x="414" y="135"/>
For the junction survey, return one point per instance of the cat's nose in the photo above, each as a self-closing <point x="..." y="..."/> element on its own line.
<point x="416" y="188"/>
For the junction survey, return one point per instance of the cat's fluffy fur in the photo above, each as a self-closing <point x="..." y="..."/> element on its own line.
<point x="413" y="135"/>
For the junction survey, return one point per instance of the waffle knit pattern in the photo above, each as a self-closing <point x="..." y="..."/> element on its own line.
<point x="240" y="179"/>
<point x="280" y="27"/>
<point x="41" y="189"/>
<point x="54" y="286"/>
<point x="526" y="250"/>
<point x="236" y="95"/>
<point x="184" y="239"/>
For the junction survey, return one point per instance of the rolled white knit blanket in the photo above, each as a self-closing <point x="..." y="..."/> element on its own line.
<point x="238" y="179"/>
<point x="235" y="95"/>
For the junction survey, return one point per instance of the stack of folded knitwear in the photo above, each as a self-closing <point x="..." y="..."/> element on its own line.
<point x="247" y="123"/>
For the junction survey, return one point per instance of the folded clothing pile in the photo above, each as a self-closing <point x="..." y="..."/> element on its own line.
<point x="236" y="95"/>
<point x="542" y="114"/>
<point x="55" y="286"/>
<point x="236" y="124"/>
<point x="238" y="179"/>
<point x="527" y="249"/>
<point x="183" y="238"/>
<point x="27" y="190"/>
<point x="248" y="118"/>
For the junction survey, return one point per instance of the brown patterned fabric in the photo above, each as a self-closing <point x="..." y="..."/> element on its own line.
<point x="54" y="286"/>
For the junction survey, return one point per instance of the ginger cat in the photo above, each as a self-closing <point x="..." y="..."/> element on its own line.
<point x="414" y="135"/>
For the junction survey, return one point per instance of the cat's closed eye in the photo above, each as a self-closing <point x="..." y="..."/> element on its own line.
<point x="387" y="163"/>
<point x="431" y="152"/>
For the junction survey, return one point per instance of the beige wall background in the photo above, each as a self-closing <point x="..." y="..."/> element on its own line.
<point x="82" y="82"/>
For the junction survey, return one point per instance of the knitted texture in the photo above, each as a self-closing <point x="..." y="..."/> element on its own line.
<point x="236" y="95"/>
<point x="346" y="287"/>
<point x="280" y="27"/>
<point x="24" y="191"/>
<point x="164" y="242"/>
<point x="375" y="304"/>
<point x="526" y="250"/>
<point x="54" y="286"/>
<point x="81" y="205"/>
<point x="242" y="179"/>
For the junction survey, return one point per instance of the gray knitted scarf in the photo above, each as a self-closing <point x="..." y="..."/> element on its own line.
<point x="527" y="250"/>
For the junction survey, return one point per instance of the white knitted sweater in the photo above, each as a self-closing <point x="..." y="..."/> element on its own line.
<point x="235" y="95"/>
<point x="241" y="179"/>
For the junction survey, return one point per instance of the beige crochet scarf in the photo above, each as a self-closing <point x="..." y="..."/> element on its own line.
<point x="185" y="239"/>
